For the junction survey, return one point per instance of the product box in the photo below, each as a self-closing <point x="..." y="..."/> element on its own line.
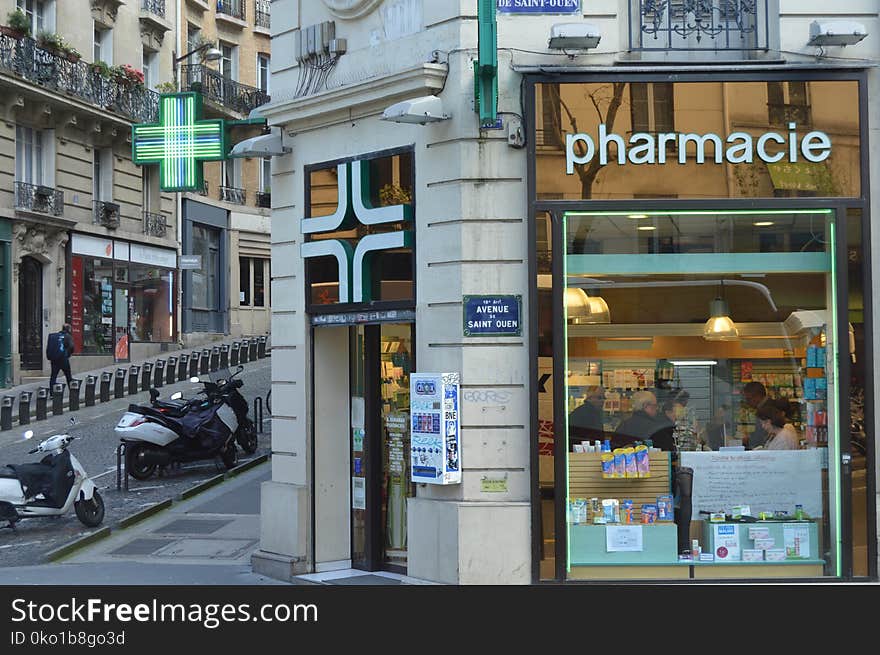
<point x="664" y="508"/>
<point x="716" y="517"/>
<point x="707" y="557"/>
<point x="775" y="554"/>
<point x="752" y="555"/>
<point x="759" y="533"/>
<point x="764" y="544"/>
<point x="738" y="511"/>
<point x="726" y="542"/>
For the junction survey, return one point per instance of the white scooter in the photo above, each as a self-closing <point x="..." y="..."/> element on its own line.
<point x="50" y="487"/>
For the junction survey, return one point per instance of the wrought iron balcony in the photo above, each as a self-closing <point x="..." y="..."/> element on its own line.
<point x="154" y="224"/>
<point x="155" y="7"/>
<point x="204" y="190"/>
<point x="264" y="199"/>
<point x="232" y="194"/>
<point x="234" y="8"/>
<point x="69" y="76"/>
<point x="39" y="198"/>
<point x="262" y="13"/>
<point x="212" y="85"/>
<point x="107" y="214"/>
<point x="698" y="24"/>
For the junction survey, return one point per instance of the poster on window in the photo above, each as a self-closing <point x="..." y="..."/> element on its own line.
<point x="76" y="303"/>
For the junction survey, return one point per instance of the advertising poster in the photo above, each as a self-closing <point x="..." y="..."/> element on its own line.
<point x="434" y="412"/>
<point x="76" y="303"/>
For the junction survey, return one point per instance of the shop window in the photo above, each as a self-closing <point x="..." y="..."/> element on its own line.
<point x="151" y="303"/>
<point x="92" y="304"/>
<point x="787" y="102"/>
<point x="259" y="282"/>
<point x="244" y="285"/>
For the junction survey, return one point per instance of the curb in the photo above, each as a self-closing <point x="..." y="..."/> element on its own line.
<point x="137" y="517"/>
<point x="76" y="544"/>
<point x="241" y="468"/>
<point x="202" y="486"/>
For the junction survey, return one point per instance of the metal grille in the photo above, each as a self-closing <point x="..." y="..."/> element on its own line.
<point x="38" y="198"/>
<point x="222" y="90"/>
<point x="155" y="7"/>
<point x="264" y="199"/>
<point x="154" y="224"/>
<point x="106" y="213"/>
<point x="234" y="8"/>
<point x="232" y="194"/>
<point x="698" y="24"/>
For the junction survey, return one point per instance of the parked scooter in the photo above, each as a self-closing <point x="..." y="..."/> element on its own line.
<point x="50" y="487"/>
<point x="225" y="384"/>
<point x="177" y="431"/>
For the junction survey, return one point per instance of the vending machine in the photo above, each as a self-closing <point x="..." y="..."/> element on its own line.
<point x="434" y="410"/>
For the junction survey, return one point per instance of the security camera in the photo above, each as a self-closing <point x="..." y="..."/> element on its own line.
<point x="574" y="36"/>
<point x="427" y="109"/>
<point x="836" y="32"/>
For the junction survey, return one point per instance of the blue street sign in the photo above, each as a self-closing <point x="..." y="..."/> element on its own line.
<point x="539" y="6"/>
<point x="498" y="316"/>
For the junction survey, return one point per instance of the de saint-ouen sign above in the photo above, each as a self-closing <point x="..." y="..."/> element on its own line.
<point x="736" y="148"/>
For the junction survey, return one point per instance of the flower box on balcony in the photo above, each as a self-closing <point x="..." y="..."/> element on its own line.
<point x="11" y="31"/>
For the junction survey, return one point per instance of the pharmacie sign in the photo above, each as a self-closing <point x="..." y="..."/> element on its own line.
<point x="734" y="148"/>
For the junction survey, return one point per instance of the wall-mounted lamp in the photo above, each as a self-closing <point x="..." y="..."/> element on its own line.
<point x="427" y="109"/>
<point x="836" y="32"/>
<point x="574" y="36"/>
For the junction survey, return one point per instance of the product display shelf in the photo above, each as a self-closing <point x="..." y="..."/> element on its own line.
<point x="806" y="565"/>
<point x="781" y="379"/>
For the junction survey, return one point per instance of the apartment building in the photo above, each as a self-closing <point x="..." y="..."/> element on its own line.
<point x="87" y="236"/>
<point x="228" y="222"/>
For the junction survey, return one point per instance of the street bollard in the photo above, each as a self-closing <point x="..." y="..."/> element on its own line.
<point x="6" y="413"/>
<point x="106" y="377"/>
<point x="159" y="377"/>
<point x="91" y="381"/>
<point x="146" y="376"/>
<point x="233" y="353"/>
<point x="205" y="362"/>
<point x="58" y="399"/>
<point x="24" y="408"/>
<point x="119" y="384"/>
<point x="134" y="373"/>
<point x="224" y="356"/>
<point x="252" y="350"/>
<point x="42" y="397"/>
<point x="243" y="352"/>
<point x="261" y="347"/>
<point x="183" y="368"/>
<point x="215" y="358"/>
<point x="74" y="394"/>
<point x="171" y="370"/>
<point x="194" y="364"/>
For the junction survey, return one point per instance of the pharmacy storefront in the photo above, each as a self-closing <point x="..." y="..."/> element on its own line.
<point x="701" y="327"/>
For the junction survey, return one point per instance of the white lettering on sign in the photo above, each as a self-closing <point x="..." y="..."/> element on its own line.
<point x="736" y="148"/>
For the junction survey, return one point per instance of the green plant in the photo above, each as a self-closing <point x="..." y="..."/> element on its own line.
<point x="166" y="87"/>
<point x="18" y="22"/>
<point x="50" y="41"/>
<point x="103" y="69"/>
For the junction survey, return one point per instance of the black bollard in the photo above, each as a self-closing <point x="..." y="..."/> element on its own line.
<point x="58" y="399"/>
<point x="146" y="376"/>
<point x="224" y="356"/>
<point x="233" y="353"/>
<point x="24" y="408"/>
<point x="42" y="397"/>
<point x="215" y="358"/>
<point x="106" y="377"/>
<point x="194" y="364"/>
<point x="205" y="362"/>
<point x="91" y="381"/>
<point x="6" y="413"/>
<point x="252" y="350"/>
<point x="261" y="347"/>
<point x="243" y="352"/>
<point x="74" y="394"/>
<point x="171" y="370"/>
<point x="119" y="384"/>
<point x="159" y="377"/>
<point x="134" y="373"/>
<point x="183" y="368"/>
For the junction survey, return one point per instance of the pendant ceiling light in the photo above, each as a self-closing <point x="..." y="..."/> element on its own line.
<point x="585" y="310"/>
<point x="720" y="327"/>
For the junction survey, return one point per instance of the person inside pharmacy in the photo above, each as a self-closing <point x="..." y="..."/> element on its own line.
<point x="781" y="435"/>
<point x="643" y="424"/>
<point x="587" y="421"/>
<point x="755" y="396"/>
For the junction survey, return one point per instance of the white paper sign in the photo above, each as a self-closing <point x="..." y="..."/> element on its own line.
<point x="623" y="538"/>
<point x="726" y="538"/>
<point x="796" y="539"/>
<point x="358" y="493"/>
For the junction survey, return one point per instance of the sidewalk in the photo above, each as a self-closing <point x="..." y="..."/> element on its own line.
<point x="207" y="539"/>
<point x="33" y="387"/>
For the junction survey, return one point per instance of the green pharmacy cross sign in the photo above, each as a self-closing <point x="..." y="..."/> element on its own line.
<point x="180" y="142"/>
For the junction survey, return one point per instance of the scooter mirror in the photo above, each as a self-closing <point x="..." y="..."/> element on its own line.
<point x="194" y="379"/>
<point x="29" y="434"/>
<point x="177" y="395"/>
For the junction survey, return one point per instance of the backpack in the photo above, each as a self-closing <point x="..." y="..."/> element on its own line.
<point x="55" y="348"/>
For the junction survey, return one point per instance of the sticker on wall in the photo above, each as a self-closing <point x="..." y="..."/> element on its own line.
<point x="435" y="423"/>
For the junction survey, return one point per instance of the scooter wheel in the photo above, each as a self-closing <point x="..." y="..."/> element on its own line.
<point x="247" y="437"/>
<point x="90" y="512"/>
<point x="230" y="455"/>
<point x="134" y="461"/>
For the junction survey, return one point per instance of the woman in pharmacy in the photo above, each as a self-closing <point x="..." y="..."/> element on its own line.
<point x="781" y="435"/>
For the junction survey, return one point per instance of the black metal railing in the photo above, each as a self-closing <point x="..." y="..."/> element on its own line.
<point x="61" y="74"/>
<point x="699" y="24"/>
<point x="204" y="190"/>
<point x="154" y="224"/>
<point x="262" y="13"/>
<point x="234" y="8"/>
<point x="39" y="198"/>
<point x="232" y="194"/>
<point x="155" y="7"/>
<point x="222" y="90"/>
<point x="264" y="199"/>
<point x="107" y="213"/>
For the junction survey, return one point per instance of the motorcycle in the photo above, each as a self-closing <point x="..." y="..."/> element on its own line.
<point x="50" y="486"/>
<point x="176" y="431"/>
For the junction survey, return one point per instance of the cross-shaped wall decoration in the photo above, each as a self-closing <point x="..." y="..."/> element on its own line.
<point x="179" y="142"/>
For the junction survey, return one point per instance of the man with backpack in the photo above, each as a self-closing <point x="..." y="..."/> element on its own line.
<point x="59" y="348"/>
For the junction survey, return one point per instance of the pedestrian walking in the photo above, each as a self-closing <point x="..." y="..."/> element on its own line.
<point x="59" y="348"/>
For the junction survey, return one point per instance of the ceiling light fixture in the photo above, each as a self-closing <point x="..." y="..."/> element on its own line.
<point x="585" y="310"/>
<point x="693" y="362"/>
<point x="646" y="228"/>
<point x="763" y="223"/>
<point x="638" y="216"/>
<point x="720" y="327"/>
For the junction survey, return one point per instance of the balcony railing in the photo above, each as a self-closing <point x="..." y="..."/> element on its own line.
<point x="154" y="224"/>
<point x="234" y="8"/>
<point x="107" y="214"/>
<point x="204" y="190"/>
<point x="155" y="7"/>
<point x="39" y="198"/>
<point x="262" y="13"/>
<point x="699" y="24"/>
<point x="232" y="194"/>
<point x="264" y="199"/>
<point x="58" y="73"/>
<point x="212" y="85"/>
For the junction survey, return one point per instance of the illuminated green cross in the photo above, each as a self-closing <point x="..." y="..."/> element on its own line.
<point x="179" y="142"/>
